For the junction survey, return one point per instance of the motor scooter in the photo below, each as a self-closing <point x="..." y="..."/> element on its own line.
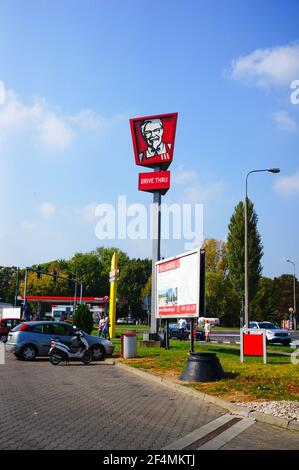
<point x="61" y="352"/>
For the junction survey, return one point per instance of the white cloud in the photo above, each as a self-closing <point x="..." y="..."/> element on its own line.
<point x="265" y="67"/>
<point x="181" y="176"/>
<point x="47" y="210"/>
<point x="50" y="129"/>
<point x="88" y="119"/>
<point x="55" y="132"/>
<point x="203" y="193"/>
<point x="29" y="226"/>
<point x="285" y="121"/>
<point x="87" y="213"/>
<point x="288" y="185"/>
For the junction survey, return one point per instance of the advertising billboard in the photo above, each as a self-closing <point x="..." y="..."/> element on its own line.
<point x="177" y="286"/>
<point x="153" y="139"/>
<point x="153" y="181"/>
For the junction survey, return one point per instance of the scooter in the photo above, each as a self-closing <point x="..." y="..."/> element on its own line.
<point x="60" y="352"/>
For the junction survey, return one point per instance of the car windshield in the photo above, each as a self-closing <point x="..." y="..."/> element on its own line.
<point x="268" y="326"/>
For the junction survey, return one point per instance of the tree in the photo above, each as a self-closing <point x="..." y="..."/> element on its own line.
<point x="216" y="255"/>
<point x="88" y="268"/>
<point x="262" y="306"/>
<point x="283" y="296"/>
<point x="7" y="284"/>
<point x="104" y="256"/>
<point x="83" y="318"/>
<point x="133" y="278"/>
<point x="236" y="250"/>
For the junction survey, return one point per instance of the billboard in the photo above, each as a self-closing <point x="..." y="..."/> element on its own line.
<point x="153" y="139"/>
<point x="177" y="286"/>
<point x="153" y="181"/>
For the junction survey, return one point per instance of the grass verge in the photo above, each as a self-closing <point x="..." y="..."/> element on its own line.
<point x="252" y="380"/>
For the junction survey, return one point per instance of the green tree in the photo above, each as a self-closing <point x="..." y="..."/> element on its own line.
<point x="104" y="256"/>
<point x="216" y="255"/>
<point x="283" y="296"/>
<point x="236" y="250"/>
<point x="83" y="318"/>
<point x="262" y="306"/>
<point x="88" y="268"/>
<point x="7" y="284"/>
<point x="133" y="278"/>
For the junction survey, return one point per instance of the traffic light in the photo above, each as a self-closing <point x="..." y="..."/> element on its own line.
<point x="38" y="272"/>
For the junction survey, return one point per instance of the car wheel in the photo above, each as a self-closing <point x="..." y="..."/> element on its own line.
<point x="286" y="343"/>
<point x="99" y="353"/>
<point x="3" y="338"/>
<point x="87" y="358"/>
<point x="28" y="353"/>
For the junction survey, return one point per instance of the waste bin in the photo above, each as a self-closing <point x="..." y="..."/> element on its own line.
<point x="128" y="345"/>
<point x="202" y="367"/>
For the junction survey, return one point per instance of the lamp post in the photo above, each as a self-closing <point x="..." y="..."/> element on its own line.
<point x="294" y="294"/>
<point x="246" y="294"/>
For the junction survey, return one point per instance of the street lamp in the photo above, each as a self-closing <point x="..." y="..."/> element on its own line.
<point x="270" y="170"/>
<point x="294" y="293"/>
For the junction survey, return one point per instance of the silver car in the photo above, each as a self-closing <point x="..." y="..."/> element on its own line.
<point x="273" y="333"/>
<point x="31" y="339"/>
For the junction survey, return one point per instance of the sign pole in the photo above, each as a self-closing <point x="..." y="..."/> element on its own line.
<point x="156" y="252"/>
<point x="192" y="335"/>
<point x="25" y="293"/>
<point x="113" y="287"/>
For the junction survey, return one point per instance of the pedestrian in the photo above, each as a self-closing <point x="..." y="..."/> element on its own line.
<point x="106" y="327"/>
<point x="181" y="327"/>
<point x="101" y="325"/>
<point x="207" y="329"/>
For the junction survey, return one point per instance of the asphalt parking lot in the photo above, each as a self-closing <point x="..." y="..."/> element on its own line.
<point x="103" y="407"/>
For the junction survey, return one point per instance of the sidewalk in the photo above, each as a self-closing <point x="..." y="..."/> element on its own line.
<point x="239" y="410"/>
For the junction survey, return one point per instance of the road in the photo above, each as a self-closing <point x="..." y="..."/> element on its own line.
<point x="104" y="407"/>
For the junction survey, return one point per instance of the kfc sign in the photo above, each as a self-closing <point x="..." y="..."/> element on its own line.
<point x="153" y="139"/>
<point x="157" y="180"/>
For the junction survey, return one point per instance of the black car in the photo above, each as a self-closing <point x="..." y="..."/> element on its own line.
<point x="175" y="333"/>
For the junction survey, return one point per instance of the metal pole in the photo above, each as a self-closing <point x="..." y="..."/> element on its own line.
<point x="81" y="292"/>
<point x="294" y="322"/>
<point x="192" y="336"/>
<point x="156" y="246"/>
<point x="246" y="287"/>
<point x="246" y="258"/>
<point x="75" y="297"/>
<point x="295" y="313"/>
<point x="25" y="292"/>
<point x="167" y="334"/>
<point x="17" y="288"/>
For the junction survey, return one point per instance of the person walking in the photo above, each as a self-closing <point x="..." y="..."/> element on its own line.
<point x="106" y="327"/>
<point x="207" y="329"/>
<point x="101" y="325"/>
<point x="181" y="326"/>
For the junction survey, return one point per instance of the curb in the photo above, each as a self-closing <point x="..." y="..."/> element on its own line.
<point x="234" y="409"/>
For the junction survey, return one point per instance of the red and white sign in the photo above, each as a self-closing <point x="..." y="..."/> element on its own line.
<point x="177" y="283"/>
<point x="153" y="181"/>
<point x="253" y="343"/>
<point x="153" y="139"/>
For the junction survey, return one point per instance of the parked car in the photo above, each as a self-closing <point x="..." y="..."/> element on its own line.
<point x="174" y="332"/>
<point x="274" y="334"/>
<point x="6" y="325"/>
<point x="31" y="339"/>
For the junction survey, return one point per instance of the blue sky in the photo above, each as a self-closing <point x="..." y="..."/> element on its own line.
<point x="76" y="71"/>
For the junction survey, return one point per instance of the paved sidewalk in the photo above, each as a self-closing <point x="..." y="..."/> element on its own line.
<point x="105" y="407"/>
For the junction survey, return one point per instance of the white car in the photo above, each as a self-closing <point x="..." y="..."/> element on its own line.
<point x="273" y="333"/>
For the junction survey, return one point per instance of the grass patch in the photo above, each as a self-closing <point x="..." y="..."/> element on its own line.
<point x="252" y="380"/>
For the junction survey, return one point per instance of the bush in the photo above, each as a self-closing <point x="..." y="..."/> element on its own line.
<point x="83" y="319"/>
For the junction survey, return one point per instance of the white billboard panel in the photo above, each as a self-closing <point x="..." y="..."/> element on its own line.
<point x="13" y="312"/>
<point x="177" y="281"/>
